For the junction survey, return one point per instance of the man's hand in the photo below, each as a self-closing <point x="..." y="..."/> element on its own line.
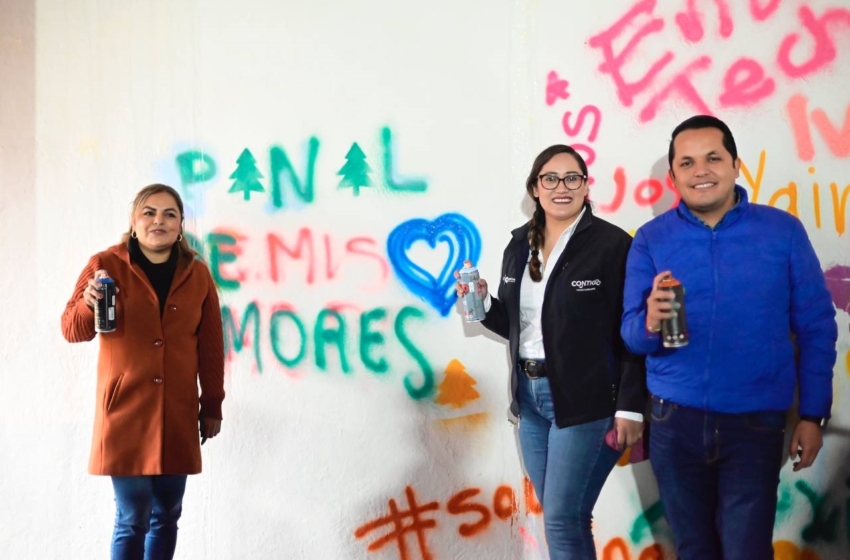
<point x="805" y="444"/>
<point x="659" y="304"/>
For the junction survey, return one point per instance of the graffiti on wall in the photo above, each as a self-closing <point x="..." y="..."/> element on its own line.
<point x="288" y="186"/>
<point x="651" y="191"/>
<point x="806" y="48"/>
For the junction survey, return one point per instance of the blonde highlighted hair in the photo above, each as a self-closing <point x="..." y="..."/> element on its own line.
<point x="185" y="252"/>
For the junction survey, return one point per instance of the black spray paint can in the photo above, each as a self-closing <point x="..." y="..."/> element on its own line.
<point x="674" y="331"/>
<point x="104" y="310"/>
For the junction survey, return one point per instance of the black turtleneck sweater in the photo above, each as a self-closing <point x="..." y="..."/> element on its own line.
<point x="159" y="275"/>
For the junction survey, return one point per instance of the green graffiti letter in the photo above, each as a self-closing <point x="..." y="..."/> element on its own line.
<point x="426" y="388"/>
<point x="280" y="164"/>
<point x="220" y="253"/>
<point x="195" y="167"/>
<point x="324" y="335"/>
<point x="645" y="521"/>
<point x="823" y="524"/>
<point x="234" y="334"/>
<point x="370" y="338"/>
<point x="411" y="185"/>
<point x="275" y="337"/>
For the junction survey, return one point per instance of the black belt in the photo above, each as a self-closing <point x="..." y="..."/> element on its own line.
<point x="533" y="369"/>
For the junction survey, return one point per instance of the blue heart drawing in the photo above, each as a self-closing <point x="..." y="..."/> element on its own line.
<point x="464" y="243"/>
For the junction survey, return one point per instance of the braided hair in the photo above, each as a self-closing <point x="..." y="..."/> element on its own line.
<point x="537" y="225"/>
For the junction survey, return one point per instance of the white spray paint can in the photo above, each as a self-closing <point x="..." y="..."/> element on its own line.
<point x="473" y="305"/>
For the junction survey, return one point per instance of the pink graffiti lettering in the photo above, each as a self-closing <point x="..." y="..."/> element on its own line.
<point x="681" y="83"/>
<point x="573" y="131"/>
<point x="646" y="192"/>
<point x="588" y="115"/>
<point x="556" y="88"/>
<point x="761" y="13"/>
<point x="797" y="109"/>
<point x="690" y="23"/>
<point x="837" y="140"/>
<point x="824" y="49"/>
<point x="613" y="63"/>
<point x="588" y="153"/>
<point x="745" y="84"/>
<point x="303" y="250"/>
<point x="619" y="193"/>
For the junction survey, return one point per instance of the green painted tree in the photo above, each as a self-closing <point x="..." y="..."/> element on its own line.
<point x="355" y="172"/>
<point x="246" y="175"/>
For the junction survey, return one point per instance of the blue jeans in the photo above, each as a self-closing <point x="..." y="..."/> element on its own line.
<point x="567" y="466"/>
<point x="147" y="510"/>
<point x="718" y="475"/>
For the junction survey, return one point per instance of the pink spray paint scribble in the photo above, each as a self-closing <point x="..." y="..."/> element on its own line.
<point x="805" y="50"/>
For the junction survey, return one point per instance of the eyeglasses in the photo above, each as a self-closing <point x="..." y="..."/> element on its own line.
<point x="572" y="181"/>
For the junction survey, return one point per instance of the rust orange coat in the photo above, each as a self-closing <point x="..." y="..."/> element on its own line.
<point x="148" y="402"/>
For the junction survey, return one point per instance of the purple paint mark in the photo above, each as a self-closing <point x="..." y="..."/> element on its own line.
<point x="838" y="284"/>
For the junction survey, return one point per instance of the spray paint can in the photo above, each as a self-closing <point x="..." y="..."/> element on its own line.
<point x="674" y="331"/>
<point x="104" y="309"/>
<point x="473" y="305"/>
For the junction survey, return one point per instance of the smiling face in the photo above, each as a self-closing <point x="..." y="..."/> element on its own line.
<point x="157" y="224"/>
<point x="561" y="204"/>
<point x="704" y="172"/>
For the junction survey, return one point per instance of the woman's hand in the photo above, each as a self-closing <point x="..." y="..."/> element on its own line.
<point x="92" y="292"/>
<point x="462" y="288"/>
<point x="210" y="427"/>
<point x="629" y="432"/>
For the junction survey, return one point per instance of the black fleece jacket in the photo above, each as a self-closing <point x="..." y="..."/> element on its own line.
<point x="591" y="372"/>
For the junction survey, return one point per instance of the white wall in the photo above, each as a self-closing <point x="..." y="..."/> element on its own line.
<point x="101" y="98"/>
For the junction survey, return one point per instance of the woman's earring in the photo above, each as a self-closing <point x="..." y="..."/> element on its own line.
<point x="179" y="238"/>
<point x="133" y="235"/>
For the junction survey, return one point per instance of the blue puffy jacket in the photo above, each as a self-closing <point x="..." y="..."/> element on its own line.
<point x="749" y="283"/>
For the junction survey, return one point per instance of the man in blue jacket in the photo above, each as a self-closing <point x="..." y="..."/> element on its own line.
<point x="719" y="404"/>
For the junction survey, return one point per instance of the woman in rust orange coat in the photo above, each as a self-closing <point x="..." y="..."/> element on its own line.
<point x="150" y="416"/>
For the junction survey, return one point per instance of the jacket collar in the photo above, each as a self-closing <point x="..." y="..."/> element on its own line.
<point x="733" y="215"/>
<point x="122" y="251"/>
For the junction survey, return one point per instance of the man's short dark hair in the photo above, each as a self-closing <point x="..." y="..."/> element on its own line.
<point x="704" y="121"/>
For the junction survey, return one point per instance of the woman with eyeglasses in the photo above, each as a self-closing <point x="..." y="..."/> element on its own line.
<point x="559" y="304"/>
<point x="150" y="417"/>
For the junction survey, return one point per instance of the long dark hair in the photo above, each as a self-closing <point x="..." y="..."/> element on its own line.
<point x="537" y="228"/>
<point x="184" y="251"/>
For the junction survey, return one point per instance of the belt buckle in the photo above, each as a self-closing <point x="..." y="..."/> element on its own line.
<point x="531" y="368"/>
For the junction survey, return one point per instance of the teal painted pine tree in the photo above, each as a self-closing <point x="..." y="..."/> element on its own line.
<point x="355" y="172"/>
<point x="246" y="175"/>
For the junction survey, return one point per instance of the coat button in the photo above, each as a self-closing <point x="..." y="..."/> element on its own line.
<point x="157" y="379"/>
<point x="172" y="307"/>
<point x="158" y="342"/>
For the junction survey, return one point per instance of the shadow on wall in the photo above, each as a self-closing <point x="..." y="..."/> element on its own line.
<point x="660" y="172"/>
<point x="819" y="497"/>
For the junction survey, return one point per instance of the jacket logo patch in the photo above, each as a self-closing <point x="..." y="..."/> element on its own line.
<point x="508" y="279"/>
<point x="586" y="285"/>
